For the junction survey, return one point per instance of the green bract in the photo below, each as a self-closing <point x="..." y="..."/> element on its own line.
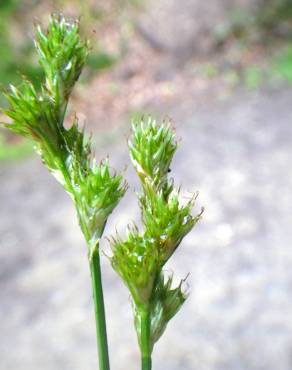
<point x="140" y="258"/>
<point x="165" y="303"/>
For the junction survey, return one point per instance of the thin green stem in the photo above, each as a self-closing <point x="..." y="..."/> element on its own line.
<point x="102" y="346"/>
<point x="146" y="362"/>
<point x="94" y="262"/>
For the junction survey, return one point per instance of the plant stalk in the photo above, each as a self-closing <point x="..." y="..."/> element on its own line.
<point x="102" y="346"/>
<point x="146" y="361"/>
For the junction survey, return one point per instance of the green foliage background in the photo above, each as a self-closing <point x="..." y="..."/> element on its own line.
<point x="15" y="61"/>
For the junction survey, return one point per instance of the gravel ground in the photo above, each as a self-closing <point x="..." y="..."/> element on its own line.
<point x="238" y="317"/>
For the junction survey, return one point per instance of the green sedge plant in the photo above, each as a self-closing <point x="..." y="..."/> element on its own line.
<point x="67" y="153"/>
<point x="39" y="115"/>
<point x="140" y="257"/>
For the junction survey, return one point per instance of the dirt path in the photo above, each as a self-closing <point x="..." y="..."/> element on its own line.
<point x="238" y="317"/>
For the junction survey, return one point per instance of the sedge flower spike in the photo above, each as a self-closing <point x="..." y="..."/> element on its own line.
<point x="67" y="153"/>
<point x="139" y="259"/>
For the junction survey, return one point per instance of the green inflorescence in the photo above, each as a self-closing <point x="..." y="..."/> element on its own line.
<point x="139" y="259"/>
<point x="39" y="115"/>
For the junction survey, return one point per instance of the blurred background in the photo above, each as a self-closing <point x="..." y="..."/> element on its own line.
<point x="222" y="70"/>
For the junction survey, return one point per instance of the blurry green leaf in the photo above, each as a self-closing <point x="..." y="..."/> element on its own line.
<point x="283" y="64"/>
<point x="9" y="5"/>
<point x="253" y="77"/>
<point x="100" y="61"/>
<point x="210" y="70"/>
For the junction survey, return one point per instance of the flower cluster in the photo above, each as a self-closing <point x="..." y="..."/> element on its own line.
<point x="62" y="55"/>
<point x="98" y="192"/>
<point x="151" y="151"/>
<point x="140" y="258"/>
<point x="39" y="115"/>
<point x="165" y="303"/>
<point x="136" y="261"/>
